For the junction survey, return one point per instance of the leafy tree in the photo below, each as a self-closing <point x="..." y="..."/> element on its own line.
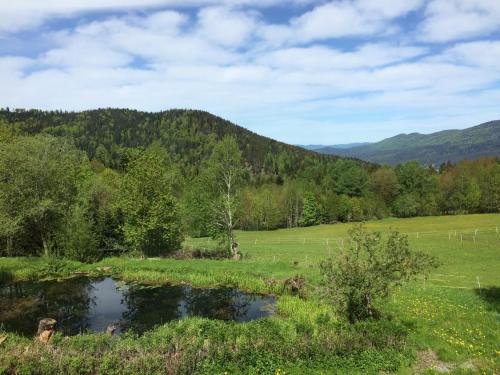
<point x="311" y="212"/>
<point x="369" y="269"/>
<point x="198" y="205"/>
<point x="39" y="181"/>
<point x="348" y="177"/>
<point x="384" y="183"/>
<point x="293" y="193"/>
<point x="226" y="171"/>
<point x="77" y="239"/>
<point x="489" y="182"/>
<point x="406" y="205"/>
<point x="152" y="222"/>
<point x="101" y="199"/>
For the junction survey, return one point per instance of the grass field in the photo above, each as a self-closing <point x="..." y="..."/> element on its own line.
<point x="449" y="321"/>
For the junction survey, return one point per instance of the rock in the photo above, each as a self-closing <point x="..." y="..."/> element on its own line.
<point x="106" y="269"/>
<point x="2" y="339"/>
<point x="46" y="324"/>
<point x="45" y="336"/>
<point x="111" y="330"/>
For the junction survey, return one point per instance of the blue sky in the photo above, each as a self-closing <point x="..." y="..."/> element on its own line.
<point x="301" y="71"/>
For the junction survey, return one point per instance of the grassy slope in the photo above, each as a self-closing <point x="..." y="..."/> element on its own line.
<point x="447" y="313"/>
<point x="453" y="145"/>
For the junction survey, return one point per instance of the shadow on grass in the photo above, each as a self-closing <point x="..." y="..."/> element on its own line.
<point x="5" y="276"/>
<point x="491" y="296"/>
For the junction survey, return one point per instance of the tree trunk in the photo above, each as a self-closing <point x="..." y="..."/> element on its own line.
<point x="10" y="246"/>
<point x="45" y="245"/>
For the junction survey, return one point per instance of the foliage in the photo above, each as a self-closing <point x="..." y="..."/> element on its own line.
<point x="152" y="223"/>
<point x="77" y="240"/>
<point x="369" y="269"/>
<point x="311" y="211"/>
<point x="39" y="181"/>
<point x="225" y="171"/>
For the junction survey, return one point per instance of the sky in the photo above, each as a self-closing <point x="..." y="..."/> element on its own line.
<point x="300" y="71"/>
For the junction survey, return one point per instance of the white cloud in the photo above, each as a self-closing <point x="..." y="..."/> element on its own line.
<point x="485" y="54"/>
<point x="322" y="57"/>
<point x="447" y="20"/>
<point x="337" y="19"/>
<point x="28" y="14"/>
<point x="226" y="27"/>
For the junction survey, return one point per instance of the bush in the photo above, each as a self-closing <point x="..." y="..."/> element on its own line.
<point x="368" y="269"/>
<point x="77" y="240"/>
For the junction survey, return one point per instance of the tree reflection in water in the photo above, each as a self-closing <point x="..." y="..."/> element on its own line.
<point x="83" y="304"/>
<point x="22" y="305"/>
<point x="222" y="303"/>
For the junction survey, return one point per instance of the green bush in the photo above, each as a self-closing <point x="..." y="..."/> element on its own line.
<point x="368" y="269"/>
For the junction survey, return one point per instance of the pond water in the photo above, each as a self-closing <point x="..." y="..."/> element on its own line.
<point x="84" y="304"/>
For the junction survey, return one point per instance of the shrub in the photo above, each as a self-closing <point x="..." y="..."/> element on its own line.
<point x="368" y="269"/>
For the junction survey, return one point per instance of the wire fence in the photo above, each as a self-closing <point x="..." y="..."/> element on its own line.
<point x="249" y="240"/>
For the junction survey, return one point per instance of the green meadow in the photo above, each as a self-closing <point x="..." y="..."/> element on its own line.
<point x="447" y="322"/>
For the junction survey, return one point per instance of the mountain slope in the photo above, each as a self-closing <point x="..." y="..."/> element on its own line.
<point x="344" y="145"/>
<point x="189" y="135"/>
<point x="435" y="148"/>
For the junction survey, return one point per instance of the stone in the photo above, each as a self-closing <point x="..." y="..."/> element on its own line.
<point x="46" y="324"/>
<point x="111" y="330"/>
<point x="45" y="336"/>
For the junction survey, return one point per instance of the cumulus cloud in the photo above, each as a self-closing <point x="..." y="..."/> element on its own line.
<point x="28" y="14"/>
<point x="337" y="19"/>
<point x="447" y="20"/>
<point x="484" y="54"/>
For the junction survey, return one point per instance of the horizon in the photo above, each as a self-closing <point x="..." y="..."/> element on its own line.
<point x="301" y="72"/>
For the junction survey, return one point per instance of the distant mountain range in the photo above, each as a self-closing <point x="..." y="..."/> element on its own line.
<point x="341" y="146"/>
<point x="435" y="148"/>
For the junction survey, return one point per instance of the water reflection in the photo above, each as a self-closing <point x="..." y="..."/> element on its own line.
<point x="84" y="304"/>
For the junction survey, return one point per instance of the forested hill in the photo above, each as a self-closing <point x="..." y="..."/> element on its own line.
<point x="109" y="135"/>
<point x="435" y="148"/>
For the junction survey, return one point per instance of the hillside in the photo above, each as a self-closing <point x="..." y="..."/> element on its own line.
<point x="189" y="135"/>
<point x="435" y="148"/>
<point x="343" y="146"/>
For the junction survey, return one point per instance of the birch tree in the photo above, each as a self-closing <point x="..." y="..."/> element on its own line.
<point x="226" y="170"/>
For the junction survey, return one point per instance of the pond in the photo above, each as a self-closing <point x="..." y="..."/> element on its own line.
<point x="85" y="304"/>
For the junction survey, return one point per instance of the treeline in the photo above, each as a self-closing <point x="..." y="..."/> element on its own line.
<point x="348" y="192"/>
<point x="188" y="136"/>
<point x="57" y="198"/>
